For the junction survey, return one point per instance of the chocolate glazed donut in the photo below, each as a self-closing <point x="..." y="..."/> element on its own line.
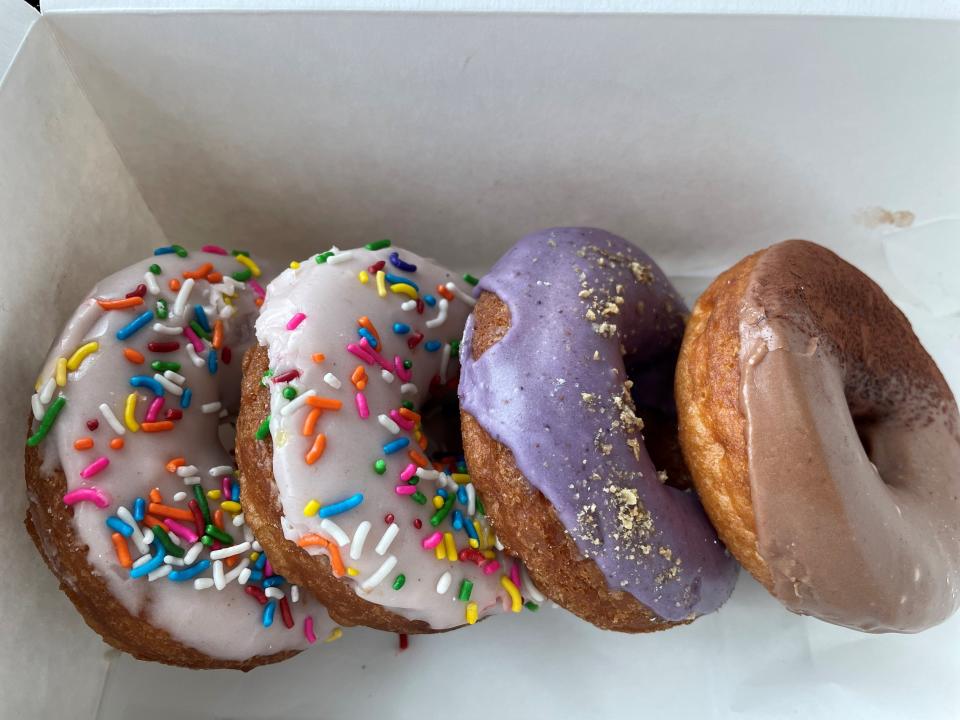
<point x="823" y="441"/>
<point x="571" y="347"/>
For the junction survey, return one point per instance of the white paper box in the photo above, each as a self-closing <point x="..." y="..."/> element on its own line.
<point x="701" y="137"/>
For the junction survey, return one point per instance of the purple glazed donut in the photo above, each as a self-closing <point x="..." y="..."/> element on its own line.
<point x="572" y="345"/>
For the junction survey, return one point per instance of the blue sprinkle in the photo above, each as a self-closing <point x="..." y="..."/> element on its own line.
<point x="462" y="495"/>
<point x="442" y="492"/>
<point x="235" y="491"/>
<point x="261" y="561"/>
<point x="401" y="328"/>
<point x="149" y="566"/>
<point x="185" y="398"/>
<point x="201" y="315"/>
<point x="457" y="520"/>
<point x="394" y="279"/>
<point x="268" y="611"/>
<point x="430" y="300"/>
<point x="164" y="250"/>
<point x="341" y="507"/>
<point x="274" y="580"/>
<point x="395" y="445"/>
<point x="432" y="345"/>
<point x="471" y="530"/>
<point x="147" y="382"/>
<point x="212" y="361"/>
<point x="256" y="576"/>
<point x="400" y="264"/>
<point x="189" y="573"/>
<point x="138" y="322"/>
<point x="139" y="509"/>
<point x="364" y="333"/>
<point x="118" y="525"/>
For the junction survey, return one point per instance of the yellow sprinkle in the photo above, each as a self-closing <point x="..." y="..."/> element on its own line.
<point x="228" y="299"/>
<point x="352" y="571"/>
<point x="489" y="554"/>
<point x="474" y="544"/>
<point x="213" y="494"/>
<point x="460" y="478"/>
<point x="335" y="634"/>
<point x="476" y="526"/>
<point x="440" y="553"/>
<point x="451" y="545"/>
<point x="61" y="374"/>
<point x="231" y="506"/>
<point x="363" y="276"/>
<point x="244" y="260"/>
<point x="471" y="613"/>
<point x="407" y="290"/>
<point x="253" y="556"/>
<point x="294" y="264"/>
<point x="74" y="362"/>
<point x="311" y="508"/>
<point x="437" y="502"/>
<point x="128" y="410"/>
<point x="516" y="602"/>
<point x="381" y="283"/>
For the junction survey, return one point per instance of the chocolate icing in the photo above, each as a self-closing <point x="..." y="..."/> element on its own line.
<point x="853" y="446"/>
<point x="585" y="305"/>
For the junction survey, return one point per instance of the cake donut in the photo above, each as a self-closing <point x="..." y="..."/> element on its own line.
<point x="824" y="441"/>
<point x="133" y="498"/>
<point x="570" y="348"/>
<point x="355" y="368"/>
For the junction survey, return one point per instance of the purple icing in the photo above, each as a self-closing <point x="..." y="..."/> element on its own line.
<point x="552" y="390"/>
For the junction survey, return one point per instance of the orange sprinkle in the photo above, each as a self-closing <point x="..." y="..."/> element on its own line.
<point x="365" y="323"/>
<point x="322" y="403"/>
<point x="174" y="284"/>
<point x="160" y="426"/>
<point x="150" y="521"/>
<point x="409" y="415"/>
<point x="319" y="357"/>
<point x="155" y="495"/>
<point x="258" y="302"/>
<point x="311" y="422"/>
<point x="170" y="512"/>
<point x="84" y="443"/>
<point x="199" y="273"/>
<point x="133" y="356"/>
<point x="319" y="445"/>
<point x="174" y="464"/>
<point x="120" y="304"/>
<point x="418" y="459"/>
<point x="421" y="441"/>
<point x="231" y="561"/>
<point x="123" y="552"/>
<point x="218" y="518"/>
<point x="116" y="443"/>
<point x="442" y="290"/>
<point x="214" y="277"/>
<point x="218" y="334"/>
<point x="359" y="377"/>
<point x="312" y="539"/>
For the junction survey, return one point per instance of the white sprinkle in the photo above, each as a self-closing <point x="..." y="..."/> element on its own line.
<point x="444" y="361"/>
<point x="187" y="470"/>
<point x="224" y="553"/>
<point x="237" y="571"/>
<point x="333" y="381"/>
<point x="170" y="387"/>
<point x="256" y="546"/>
<point x="441" y="317"/>
<point x="167" y="329"/>
<point x="389" y="424"/>
<point x="112" y="419"/>
<point x="244" y="576"/>
<point x="239" y="520"/>
<point x="334" y="531"/>
<point x="294" y="593"/>
<point x="408" y="389"/>
<point x="37" y="406"/>
<point x="181" y="302"/>
<point x="471" y="499"/>
<point x="529" y="589"/>
<point x="339" y="257"/>
<point x="428" y="474"/>
<point x="386" y="540"/>
<point x="142" y="560"/>
<point x="193" y="553"/>
<point x="387" y="376"/>
<point x="273" y="592"/>
<point x="497" y="544"/>
<point x="151" y="282"/>
<point x="218" y="579"/>
<point x="194" y="358"/>
<point x="46" y="394"/>
<point x="220" y="471"/>
<point x="137" y="535"/>
<point x="466" y="297"/>
<point x="179" y="496"/>
<point x="359" y="538"/>
<point x="192" y="480"/>
<point x="172" y="560"/>
<point x="203" y="583"/>
<point x="148" y="536"/>
<point x="443" y="584"/>
<point x="444" y="480"/>
<point x="175" y="539"/>
<point x="174" y="377"/>
<point x="160" y="572"/>
<point x="408" y="305"/>
<point x="381" y="573"/>
<point x="298" y="402"/>
<point x="248" y="537"/>
<point x="212" y="407"/>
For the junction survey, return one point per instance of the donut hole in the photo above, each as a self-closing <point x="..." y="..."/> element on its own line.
<point x="440" y="422"/>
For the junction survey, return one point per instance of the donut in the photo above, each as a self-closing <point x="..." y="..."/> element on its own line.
<point x="567" y="357"/>
<point x="133" y="496"/>
<point x="823" y="441"/>
<point x="355" y="367"/>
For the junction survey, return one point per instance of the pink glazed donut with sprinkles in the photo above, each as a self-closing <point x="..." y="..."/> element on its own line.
<point x="349" y="445"/>
<point x="134" y="502"/>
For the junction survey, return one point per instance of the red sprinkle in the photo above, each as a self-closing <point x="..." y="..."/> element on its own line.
<point x="163" y="347"/>
<point x="173" y="414"/>
<point x="226" y="355"/>
<point x="256" y="593"/>
<point x="286" y="376"/>
<point x="376" y="267"/>
<point x="420" y="306"/>
<point x="388" y="518"/>
<point x="198" y="522"/>
<point x="138" y="291"/>
<point x="93" y="424"/>
<point x="417" y="523"/>
<point x="414" y="340"/>
<point x="285" y="612"/>
<point x="404" y="642"/>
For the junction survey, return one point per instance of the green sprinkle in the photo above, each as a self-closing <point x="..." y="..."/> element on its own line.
<point x="414" y="480"/>
<point x="264" y="429"/>
<point x="407" y="364"/>
<point x="47" y="422"/>
<point x="380" y="466"/>
<point x="440" y="514"/>
<point x="161" y="308"/>
<point x="468" y="278"/>
<point x="242" y="275"/>
<point x="240" y="252"/>
<point x="155" y="269"/>
<point x="202" y="502"/>
<point x="480" y="509"/>
<point x="218" y="534"/>
<point x="289" y="392"/>
<point x="207" y="540"/>
<point x="169" y="548"/>
<point x="454" y="348"/>
<point x="199" y="330"/>
<point x="162" y="366"/>
<point x="399" y="581"/>
<point x="407" y="404"/>
<point x="378" y="245"/>
<point x="322" y="257"/>
<point x="466" y="588"/>
<point x="419" y="498"/>
<point x="531" y="606"/>
<point x="179" y="250"/>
